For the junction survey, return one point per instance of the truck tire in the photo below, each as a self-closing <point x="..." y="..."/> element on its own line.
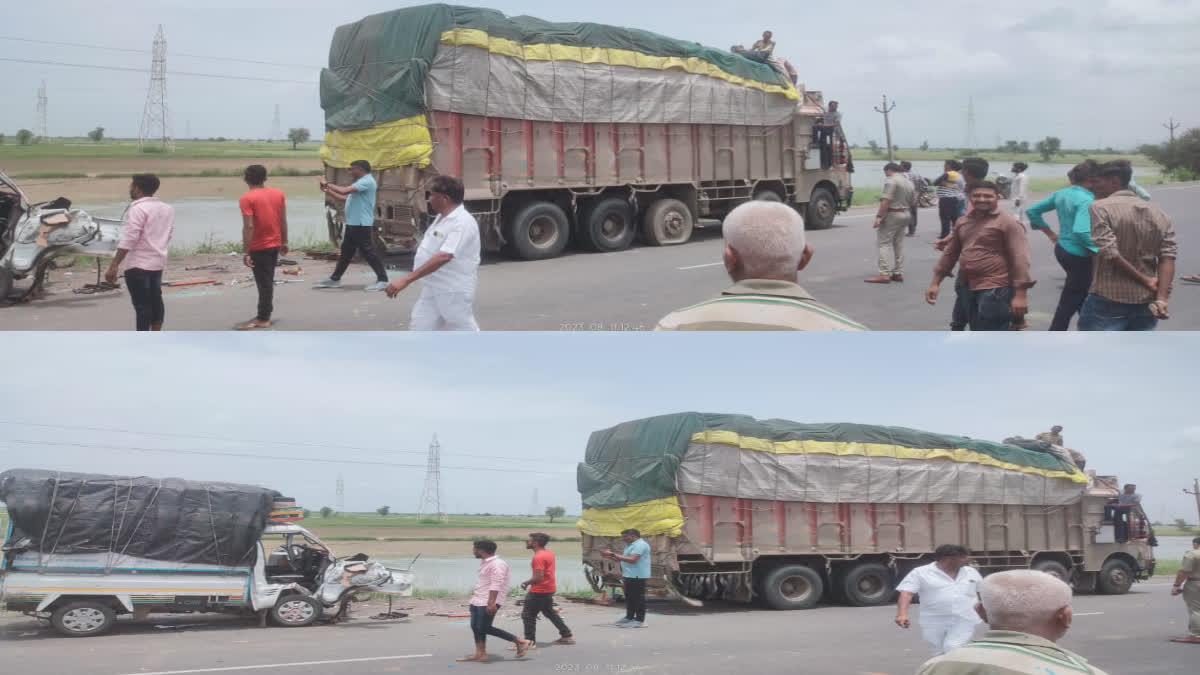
<point x="767" y="195"/>
<point x="822" y="208"/>
<point x="83" y="618"/>
<point x="868" y="585"/>
<point x="6" y="284"/>
<point x="667" y="222"/>
<point x="1115" y="578"/>
<point x="606" y="225"/>
<point x="793" y="587"/>
<point x="296" y="611"/>
<point x="1054" y="568"/>
<point x="538" y="231"/>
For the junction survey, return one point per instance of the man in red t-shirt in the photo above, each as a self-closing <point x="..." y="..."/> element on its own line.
<point x="264" y="239"/>
<point x="540" y="596"/>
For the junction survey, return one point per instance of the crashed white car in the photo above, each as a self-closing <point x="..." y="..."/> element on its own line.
<point x="31" y="235"/>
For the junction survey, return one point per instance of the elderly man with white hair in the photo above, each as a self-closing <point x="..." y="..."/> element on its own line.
<point x="1027" y="612"/>
<point x="764" y="251"/>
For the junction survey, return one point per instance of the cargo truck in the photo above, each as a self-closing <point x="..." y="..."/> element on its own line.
<point x="791" y="514"/>
<point x="567" y="132"/>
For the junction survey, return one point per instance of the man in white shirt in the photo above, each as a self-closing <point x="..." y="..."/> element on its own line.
<point x="1020" y="192"/>
<point x="447" y="262"/>
<point x="947" y="588"/>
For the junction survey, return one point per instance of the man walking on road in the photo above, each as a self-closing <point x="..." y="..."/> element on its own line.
<point x="950" y="187"/>
<point x="1027" y="613"/>
<point x="994" y="255"/>
<point x="491" y="589"/>
<point x="360" y="224"/>
<point x="1187" y="582"/>
<point x="447" y="262"/>
<point x="919" y="186"/>
<point x="145" y="240"/>
<point x="1135" y="257"/>
<point x="635" y="570"/>
<point x="947" y="587"/>
<point x="895" y="213"/>
<point x="764" y="250"/>
<point x="1073" y="246"/>
<point x="1020" y="192"/>
<point x="264" y="239"/>
<point x="540" y="588"/>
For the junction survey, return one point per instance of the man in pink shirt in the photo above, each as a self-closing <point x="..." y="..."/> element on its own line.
<point x="490" y="590"/>
<point x="144" y="241"/>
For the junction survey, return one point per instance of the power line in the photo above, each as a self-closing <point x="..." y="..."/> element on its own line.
<point x="144" y="51"/>
<point x="290" y="444"/>
<point x="144" y="70"/>
<point x="246" y="455"/>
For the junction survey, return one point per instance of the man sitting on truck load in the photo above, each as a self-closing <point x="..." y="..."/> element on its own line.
<point x="360" y="224"/>
<point x="764" y="250"/>
<point x="1027" y="612"/>
<point x="947" y="587"/>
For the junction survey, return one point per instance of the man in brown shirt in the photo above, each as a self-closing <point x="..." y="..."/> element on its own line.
<point x="994" y="255"/>
<point x="1135" y="256"/>
<point x="895" y="213"/>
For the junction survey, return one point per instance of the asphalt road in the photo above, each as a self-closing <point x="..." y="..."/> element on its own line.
<point x="627" y="290"/>
<point x="1120" y="634"/>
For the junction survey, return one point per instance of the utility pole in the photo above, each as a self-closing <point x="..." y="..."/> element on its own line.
<point x="156" y="118"/>
<point x="42" y="130"/>
<point x="431" y="496"/>
<point x="887" y="124"/>
<point x="1171" y="126"/>
<point x="972" y="141"/>
<point x="276" y="127"/>
<point x="1195" y="492"/>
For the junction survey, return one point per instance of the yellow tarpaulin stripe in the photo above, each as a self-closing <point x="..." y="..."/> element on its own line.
<point x="404" y="142"/>
<point x="473" y="37"/>
<point x="657" y="516"/>
<point x="872" y="450"/>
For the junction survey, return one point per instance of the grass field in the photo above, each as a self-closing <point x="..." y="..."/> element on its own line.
<point x="409" y="520"/>
<point x="82" y="148"/>
<point x="1172" y="531"/>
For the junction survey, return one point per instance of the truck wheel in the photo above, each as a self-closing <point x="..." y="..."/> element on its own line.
<point x="793" y="587"/>
<point x="1053" y="568"/>
<point x="538" y="231"/>
<point x="868" y="585"/>
<point x="822" y="207"/>
<point x="1115" y="578"/>
<point x="767" y="195"/>
<point x="84" y="618"/>
<point x="667" y="221"/>
<point x="6" y="284"/>
<point x="606" y="225"/>
<point x="295" y="611"/>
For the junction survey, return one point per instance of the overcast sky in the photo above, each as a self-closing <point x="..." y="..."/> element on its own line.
<point x="527" y="402"/>
<point x="1100" y="73"/>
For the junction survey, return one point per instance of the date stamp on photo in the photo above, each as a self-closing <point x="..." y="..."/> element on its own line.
<point x="594" y="668"/>
<point x="601" y="326"/>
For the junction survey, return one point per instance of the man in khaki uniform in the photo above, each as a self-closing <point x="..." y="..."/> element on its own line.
<point x="764" y="251"/>
<point x="1053" y="436"/>
<point x="895" y="213"/>
<point x="1027" y="613"/>
<point x="1187" y="582"/>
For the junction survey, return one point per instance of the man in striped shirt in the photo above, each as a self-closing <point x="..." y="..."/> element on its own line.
<point x="764" y="251"/>
<point x="1028" y="612"/>
<point x="1135" y="256"/>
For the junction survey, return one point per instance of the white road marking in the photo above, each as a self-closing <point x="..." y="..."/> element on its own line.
<point x="285" y="665"/>
<point x="696" y="267"/>
<point x="1086" y="613"/>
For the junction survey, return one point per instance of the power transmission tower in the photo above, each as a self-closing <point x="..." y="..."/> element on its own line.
<point x="1170" y="126"/>
<point x="41" y="111"/>
<point x="156" y="121"/>
<point x="276" y="129"/>
<point x="972" y="141"/>
<point x="431" y="496"/>
<point x="1195" y="492"/>
<point x="887" y="124"/>
<point x="533" y="509"/>
<point x="340" y="502"/>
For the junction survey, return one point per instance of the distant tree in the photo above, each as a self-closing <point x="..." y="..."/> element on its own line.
<point x="925" y="146"/>
<point x="307" y="513"/>
<point x="1010" y="146"/>
<point x="1024" y="146"/>
<point x="1181" y="156"/>
<point x="1181" y="524"/>
<point x="875" y="149"/>
<point x="24" y="137"/>
<point x="1049" y="147"/>
<point x="326" y="512"/>
<point x="555" y="512"/>
<point x="96" y="134"/>
<point x="1" y="139"/>
<point x="297" y="136"/>
<point x="383" y="510"/>
<point x="895" y="147"/>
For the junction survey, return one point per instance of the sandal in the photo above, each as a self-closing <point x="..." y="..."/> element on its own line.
<point x="1191" y="278"/>
<point x="1189" y="639"/>
<point x="523" y="649"/>
<point x="252" y="324"/>
<point x="564" y="641"/>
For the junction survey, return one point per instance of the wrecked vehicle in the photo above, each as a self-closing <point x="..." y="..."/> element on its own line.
<point x="32" y="235"/>
<point x="82" y="549"/>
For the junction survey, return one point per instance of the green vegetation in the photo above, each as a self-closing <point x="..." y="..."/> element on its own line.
<point x="82" y="148"/>
<point x="34" y="175"/>
<point x="1166" y="567"/>
<point x="203" y="173"/>
<point x="1004" y="155"/>
<point x="1176" y="531"/>
<point x="1179" y="158"/>
<point x="486" y="521"/>
<point x="96" y="135"/>
<point x="297" y="136"/>
<point x="553" y="512"/>
<point x="472" y="537"/>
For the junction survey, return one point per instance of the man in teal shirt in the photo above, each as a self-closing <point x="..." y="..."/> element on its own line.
<point x="360" y="221"/>
<point x="1073" y="247"/>
<point x="635" y="570"/>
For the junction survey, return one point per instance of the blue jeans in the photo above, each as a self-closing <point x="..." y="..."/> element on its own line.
<point x="990" y="309"/>
<point x="1100" y="313"/>
<point x="481" y="626"/>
